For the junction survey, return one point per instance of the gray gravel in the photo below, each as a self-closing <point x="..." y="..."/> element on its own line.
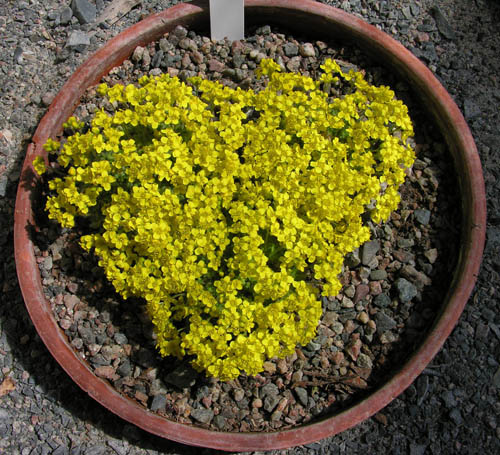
<point x="453" y="407"/>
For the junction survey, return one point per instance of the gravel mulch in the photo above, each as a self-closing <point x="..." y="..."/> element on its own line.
<point x="390" y="293"/>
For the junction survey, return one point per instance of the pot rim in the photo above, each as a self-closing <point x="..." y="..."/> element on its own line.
<point x="327" y="20"/>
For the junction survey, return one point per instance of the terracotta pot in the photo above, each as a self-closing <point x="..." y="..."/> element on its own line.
<point x="297" y="15"/>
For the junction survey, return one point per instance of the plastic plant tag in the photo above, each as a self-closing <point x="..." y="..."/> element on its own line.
<point x="227" y="19"/>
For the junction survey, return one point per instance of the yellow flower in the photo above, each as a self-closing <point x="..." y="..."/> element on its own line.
<point x="267" y="67"/>
<point x="214" y="202"/>
<point x="51" y="145"/>
<point x="39" y="165"/>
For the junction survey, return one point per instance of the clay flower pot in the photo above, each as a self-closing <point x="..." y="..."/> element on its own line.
<point x="297" y="15"/>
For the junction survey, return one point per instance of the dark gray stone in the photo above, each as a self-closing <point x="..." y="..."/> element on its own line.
<point x="352" y="259"/>
<point x="229" y="73"/>
<point x="488" y="314"/>
<point x="384" y="322"/>
<point x="382" y="300"/>
<point x="220" y="421"/>
<point x="269" y="390"/>
<point x="238" y="60"/>
<point x="78" y="40"/>
<point x="101" y="338"/>
<point x="96" y="450"/>
<point x="301" y="394"/>
<point x="406" y="290"/>
<point x="496" y="379"/>
<point x="492" y="362"/>
<point x="422" y="386"/>
<point x="53" y="15"/>
<point x="202" y="415"/>
<point x="442" y="23"/>
<point x="157" y="58"/>
<point x="426" y="27"/>
<point x="495" y="329"/>
<point x="493" y="236"/>
<point x="61" y="450"/>
<point x="417" y="449"/>
<point x="449" y="399"/>
<point x="158" y="403"/>
<point x="120" y="338"/>
<point x="291" y="49"/>
<point x="312" y="346"/>
<point x="407" y="13"/>
<point x="99" y="360"/>
<point x="346" y="316"/>
<point x="456" y="416"/>
<point x="180" y="32"/>
<point x="87" y="335"/>
<point x="471" y="109"/>
<point x="171" y="60"/>
<point x="3" y="185"/>
<point x="18" y="55"/>
<point x="66" y="13"/>
<point x="405" y="243"/>
<point x="239" y="75"/>
<point x="125" y="369"/>
<point x="368" y="251"/>
<point x="265" y="30"/>
<point x="429" y="52"/>
<point x="118" y="447"/>
<point x="270" y="402"/>
<point x="377" y="275"/>
<point x="4" y="414"/>
<point x="202" y="392"/>
<point x="423" y="216"/>
<point x="84" y="11"/>
<point x="313" y="446"/>
<point x="5" y="430"/>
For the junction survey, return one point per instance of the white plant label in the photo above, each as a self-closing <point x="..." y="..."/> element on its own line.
<point x="227" y="19"/>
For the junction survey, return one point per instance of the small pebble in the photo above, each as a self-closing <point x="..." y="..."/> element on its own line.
<point x="270" y="367"/>
<point x="363" y="317"/>
<point x="202" y="415"/>
<point x="406" y="290"/>
<point x="239" y="394"/>
<point x="302" y="396"/>
<point x="307" y="50"/>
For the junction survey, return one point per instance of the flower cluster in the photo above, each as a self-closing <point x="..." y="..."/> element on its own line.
<point x="220" y="207"/>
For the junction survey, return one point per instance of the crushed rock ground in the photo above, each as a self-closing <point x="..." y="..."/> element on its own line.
<point x="453" y="407"/>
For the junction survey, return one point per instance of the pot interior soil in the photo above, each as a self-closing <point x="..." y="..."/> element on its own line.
<point x="392" y="287"/>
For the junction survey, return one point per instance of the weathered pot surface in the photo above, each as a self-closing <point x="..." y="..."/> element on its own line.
<point x="297" y="15"/>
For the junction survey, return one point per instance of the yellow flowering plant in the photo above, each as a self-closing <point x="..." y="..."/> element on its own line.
<point x="221" y="207"/>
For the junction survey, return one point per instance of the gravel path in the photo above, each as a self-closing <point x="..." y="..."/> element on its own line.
<point x="453" y="407"/>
